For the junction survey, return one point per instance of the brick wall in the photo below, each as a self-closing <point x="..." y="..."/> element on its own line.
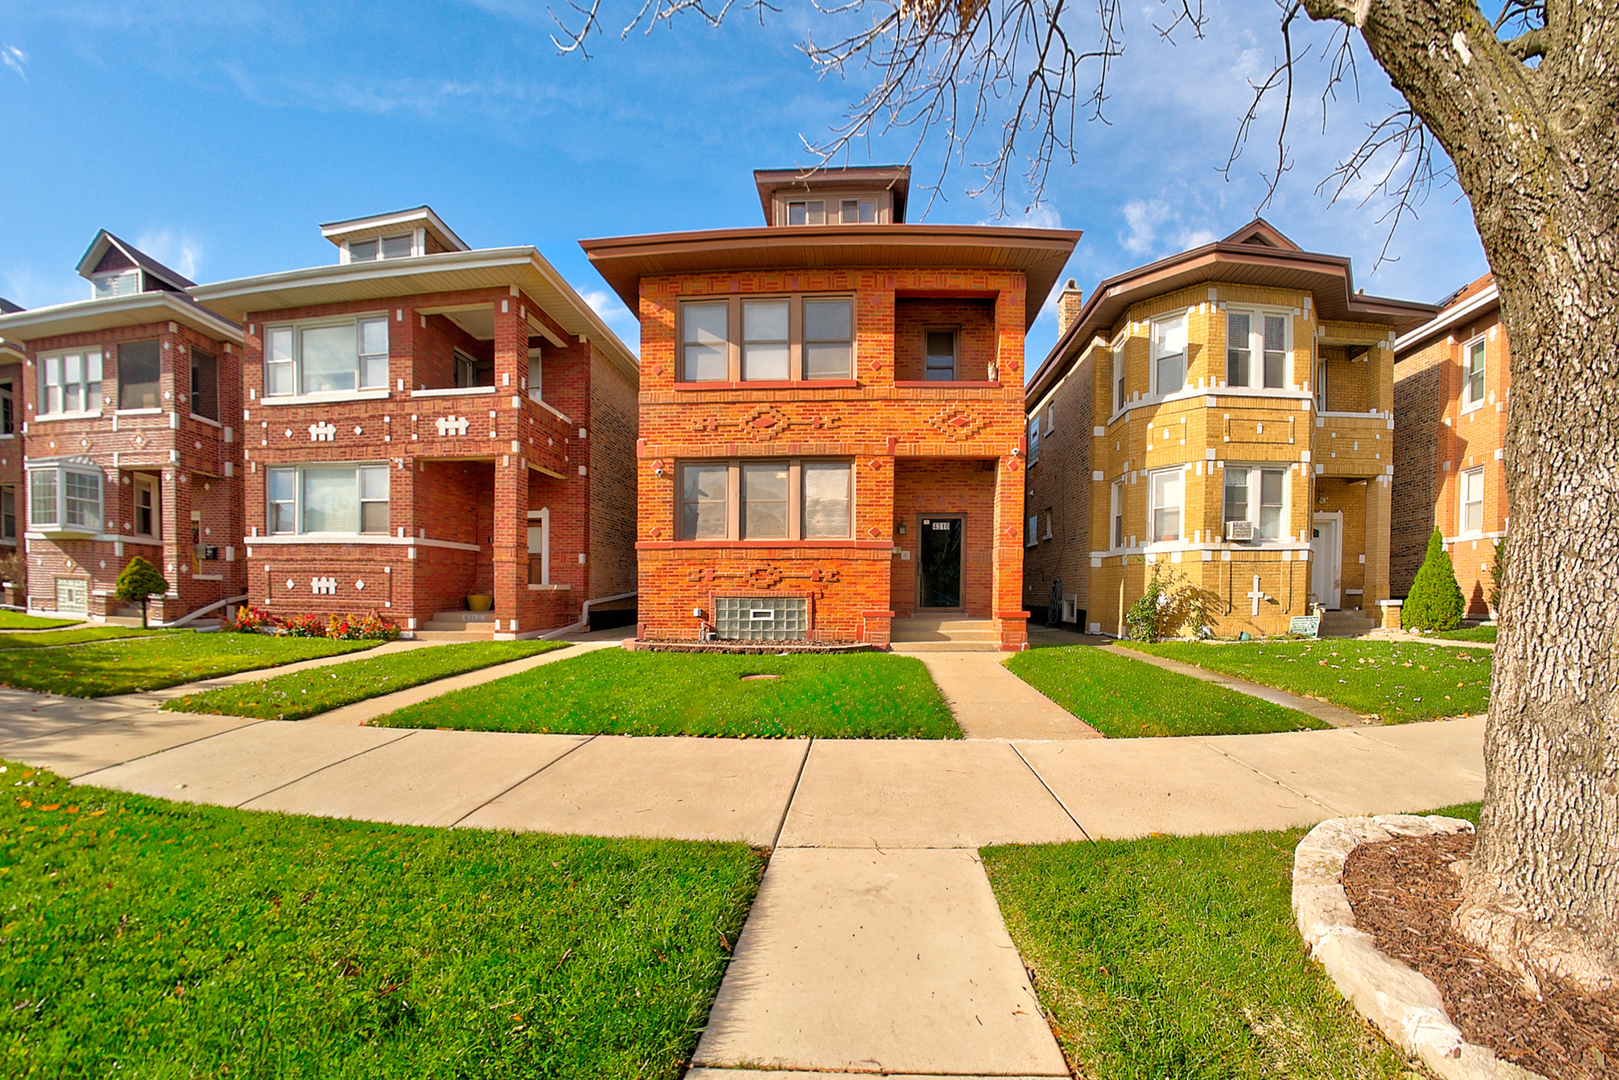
<point x="972" y="320"/>
<point x="1059" y="492"/>
<point x="611" y="449"/>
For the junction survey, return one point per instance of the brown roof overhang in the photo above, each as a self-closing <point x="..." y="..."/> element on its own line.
<point x="1326" y="277"/>
<point x="1038" y="254"/>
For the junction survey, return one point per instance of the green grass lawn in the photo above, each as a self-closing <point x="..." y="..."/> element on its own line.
<point x="613" y="692"/>
<point x="1127" y="699"/>
<point x="305" y="693"/>
<point x="46" y="638"/>
<point x="16" y="620"/>
<point x="1172" y="957"/>
<point x="168" y="659"/>
<point x="147" y="938"/>
<point x="1392" y="680"/>
<point x="1471" y="633"/>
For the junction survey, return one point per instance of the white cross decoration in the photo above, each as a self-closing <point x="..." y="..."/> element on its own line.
<point x="326" y="586"/>
<point x="322" y="432"/>
<point x="452" y="425"/>
<point x="1257" y="594"/>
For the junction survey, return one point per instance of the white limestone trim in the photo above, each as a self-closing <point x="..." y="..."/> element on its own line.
<point x="326" y="399"/>
<point x="453" y="391"/>
<point x="352" y="539"/>
<point x="1404" y="1004"/>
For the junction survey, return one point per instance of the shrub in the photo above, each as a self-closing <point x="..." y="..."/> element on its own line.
<point x="1435" y="602"/>
<point x="1165" y="607"/>
<point x="139" y="582"/>
<point x="251" y="620"/>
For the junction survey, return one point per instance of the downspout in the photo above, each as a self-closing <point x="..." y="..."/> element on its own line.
<point x="584" y="615"/>
<point x="184" y="619"/>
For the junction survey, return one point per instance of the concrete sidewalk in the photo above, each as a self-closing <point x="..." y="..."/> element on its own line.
<point x="989" y="702"/>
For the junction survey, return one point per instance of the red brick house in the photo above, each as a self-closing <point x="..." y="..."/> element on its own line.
<point x="11" y="473"/>
<point x="427" y="425"/>
<point x="1452" y="378"/>
<point x="125" y="405"/>
<point x="831" y="425"/>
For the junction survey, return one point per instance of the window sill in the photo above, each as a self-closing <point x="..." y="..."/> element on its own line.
<point x="203" y="419"/>
<point x="44" y="417"/>
<point x="773" y="384"/>
<point x="326" y="399"/>
<point x="754" y="545"/>
<point x="138" y="412"/>
<point x="550" y="588"/>
<point x="948" y="384"/>
<point x="1474" y="407"/>
<point x="453" y="391"/>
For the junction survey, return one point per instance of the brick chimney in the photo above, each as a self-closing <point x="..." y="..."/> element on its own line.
<point x="1068" y="305"/>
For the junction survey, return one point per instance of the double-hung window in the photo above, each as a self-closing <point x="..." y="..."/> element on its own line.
<point x="1321" y="385"/>
<point x="1472" y="501"/>
<point x="1116" y="513"/>
<point x="1169" y="354"/>
<point x="327" y="499"/>
<point x="767" y="339"/>
<point x="1256" y="495"/>
<point x="775" y="499"/>
<point x="1031" y="531"/>
<point x="1168" y="491"/>
<point x="1034" y="440"/>
<point x="1473" y="377"/>
<point x="1118" y="379"/>
<point x="1256" y="349"/>
<point x="8" y="410"/>
<point x="326" y="357"/>
<point x="140" y="372"/>
<point x="806" y="212"/>
<point x="857" y="211"/>
<point x="64" y="498"/>
<point x="70" y="382"/>
<point x="941" y="355"/>
<point x="399" y="246"/>
<point x="8" y="512"/>
<point x="148" y="516"/>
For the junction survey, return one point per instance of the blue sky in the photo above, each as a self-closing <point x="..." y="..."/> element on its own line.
<point x="218" y="136"/>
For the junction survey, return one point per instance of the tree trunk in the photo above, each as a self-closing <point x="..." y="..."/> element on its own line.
<point x="1535" y="151"/>
<point x="144" y="601"/>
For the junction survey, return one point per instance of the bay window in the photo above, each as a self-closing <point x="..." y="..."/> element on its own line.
<point x="767" y="339"/>
<point x="1472" y="501"/>
<point x="1168" y="491"/>
<point x="1256" y="349"/>
<point x="327" y="499"/>
<point x="1256" y="495"/>
<point x="774" y="499"/>
<point x="1473" y="376"/>
<point x="326" y="357"/>
<point x="70" y="382"/>
<point x="65" y="498"/>
<point x="1169" y="354"/>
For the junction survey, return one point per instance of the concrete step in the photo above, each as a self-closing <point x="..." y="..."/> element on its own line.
<point x="1350" y="622"/>
<point x="463" y="617"/>
<point x="944" y="635"/>
<point x="455" y="635"/>
<point x="942" y="622"/>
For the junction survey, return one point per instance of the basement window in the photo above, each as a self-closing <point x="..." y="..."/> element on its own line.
<point x="761" y="618"/>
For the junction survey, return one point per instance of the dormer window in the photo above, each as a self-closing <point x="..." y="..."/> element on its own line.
<point x="807" y="212"/>
<point x="401" y="246"/>
<point x="117" y="283"/>
<point x="858" y="212"/>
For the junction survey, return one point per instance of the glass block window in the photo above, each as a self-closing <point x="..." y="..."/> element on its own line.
<point x="761" y="618"/>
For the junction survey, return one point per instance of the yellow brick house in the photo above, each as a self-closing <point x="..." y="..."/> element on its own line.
<point x="1227" y="411"/>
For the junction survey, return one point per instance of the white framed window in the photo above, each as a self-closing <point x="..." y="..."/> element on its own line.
<point x="466" y="371"/>
<point x="773" y="339"/>
<point x="70" y="383"/>
<point x="1116" y="513"/>
<point x="857" y="211"/>
<point x="1169" y="354"/>
<point x="1321" y="385"/>
<point x="1118" y="379"/>
<point x="766" y="340"/>
<point x="772" y="499"/>
<point x="1051" y="417"/>
<point x="705" y="338"/>
<point x="1031" y="533"/>
<point x="1168" y="488"/>
<point x="539" y="546"/>
<point x="1046" y="535"/>
<point x="65" y="498"/>
<point x="1473" y="386"/>
<point x="1472" y="496"/>
<point x="116" y="283"/>
<point x="1258" y="495"/>
<point x="326" y="357"/>
<point x="829" y="338"/>
<point x="148" y="520"/>
<point x="398" y="246"/>
<point x="536" y="374"/>
<point x="1256" y="349"/>
<point x="806" y="212"/>
<point x="329" y="499"/>
<point x="1034" y="440"/>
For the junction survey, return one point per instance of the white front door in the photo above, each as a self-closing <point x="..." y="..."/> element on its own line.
<point x="1326" y="558"/>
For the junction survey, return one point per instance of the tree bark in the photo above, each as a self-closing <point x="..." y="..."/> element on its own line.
<point x="1535" y="151"/>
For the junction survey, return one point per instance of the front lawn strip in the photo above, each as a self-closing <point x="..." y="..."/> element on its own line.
<point x="1396" y="681"/>
<point x="127" y="666"/>
<point x="46" y="638"/>
<point x="16" y="620"/>
<point x="1179" y="957"/>
<point x="149" y="938"/>
<point x="305" y="693"/>
<point x="1472" y="633"/>
<point x="1127" y="699"/>
<point x="613" y="692"/>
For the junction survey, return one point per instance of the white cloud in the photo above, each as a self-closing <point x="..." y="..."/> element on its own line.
<point x="1038" y="216"/>
<point x="175" y="250"/>
<point x="14" y="59"/>
<point x="1143" y="218"/>
<point x="621" y="319"/>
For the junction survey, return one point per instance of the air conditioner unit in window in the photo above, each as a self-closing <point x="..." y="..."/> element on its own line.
<point x="1239" y="530"/>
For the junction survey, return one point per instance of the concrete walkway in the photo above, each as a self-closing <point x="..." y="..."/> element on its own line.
<point x="875" y="943"/>
<point x="989" y="702"/>
<point x="1325" y="711"/>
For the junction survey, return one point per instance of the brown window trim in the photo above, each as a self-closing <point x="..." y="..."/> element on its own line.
<point x="733" y="504"/>
<point x="733" y="341"/>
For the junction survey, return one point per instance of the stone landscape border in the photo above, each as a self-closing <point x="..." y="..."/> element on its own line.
<point x="1404" y="1004"/>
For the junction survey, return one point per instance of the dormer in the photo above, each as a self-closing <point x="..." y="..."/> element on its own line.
<point x="402" y="235"/>
<point x="868" y="195"/>
<point x="115" y="268"/>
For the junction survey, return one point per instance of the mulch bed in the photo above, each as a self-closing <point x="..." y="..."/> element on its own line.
<point x="1404" y="893"/>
